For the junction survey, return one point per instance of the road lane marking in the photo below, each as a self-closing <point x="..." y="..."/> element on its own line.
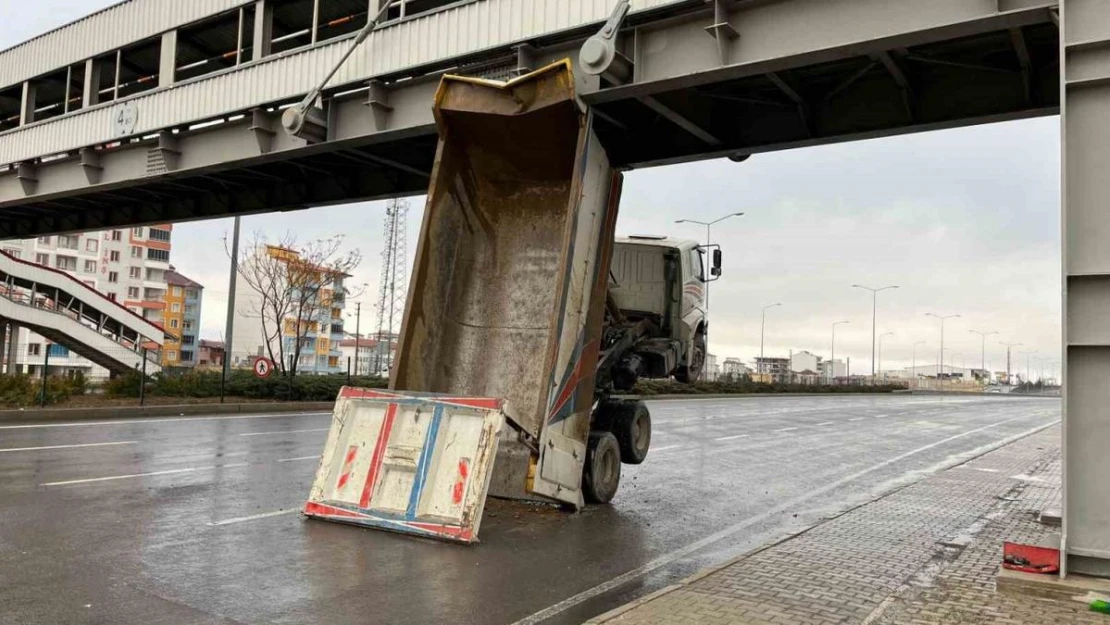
<point x="881" y="416"/>
<point x="282" y="432"/>
<point x="825" y="423"/>
<point x="165" y="420"/>
<point x="682" y="552"/>
<point x="299" y="459"/>
<point x="856" y="419"/>
<point x="786" y="430"/>
<point x="253" y="517"/>
<point x="665" y="448"/>
<point x="729" y="438"/>
<point x="148" y="474"/>
<point x="67" y="446"/>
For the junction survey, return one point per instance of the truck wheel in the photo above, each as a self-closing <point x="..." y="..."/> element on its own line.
<point x="602" y="474"/>
<point x="690" y="373"/>
<point x="633" y="431"/>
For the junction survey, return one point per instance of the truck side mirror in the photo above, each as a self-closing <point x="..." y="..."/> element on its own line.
<point x="716" y="270"/>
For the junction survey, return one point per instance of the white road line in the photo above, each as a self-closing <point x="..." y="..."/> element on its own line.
<point x="67" y="446"/>
<point x="282" y="432"/>
<point x="151" y="473"/>
<point x="729" y="438"/>
<point x="856" y="419"/>
<point x="165" y="420"/>
<point x="680" y="553"/>
<point x="825" y="423"/>
<point x="299" y="459"/>
<point x="253" y="517"/>
<point x="786" y="430"/>
<point x="881" y="416"/>
<point x="665" y="448"/>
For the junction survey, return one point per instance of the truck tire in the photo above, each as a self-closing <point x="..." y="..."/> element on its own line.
<point x="632" y="427"/>
<point x="692" y="372"/>
<point x="602" y="473"/>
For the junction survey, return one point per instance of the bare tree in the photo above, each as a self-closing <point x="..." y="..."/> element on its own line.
<point x="295" y="286"/>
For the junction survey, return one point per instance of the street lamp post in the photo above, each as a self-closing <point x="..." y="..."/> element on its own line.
<point x="874" y="309"/>
<point x="881" y="337"/>
<point x="832" y="351"/>
<point x="762" y="326"/>
<point x="940" y="373"/>
<point x="1028" y="353"/>
<point x="983" y="355"/>
<point x="1009" y="346"/>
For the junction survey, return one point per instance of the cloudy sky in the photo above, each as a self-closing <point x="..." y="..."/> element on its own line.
<point x="965" y="221"/>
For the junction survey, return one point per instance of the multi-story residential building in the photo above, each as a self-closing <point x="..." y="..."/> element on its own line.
<point x="128" y="266"/>
<point x="734" y="369"/>
<point x="211" y="354"/>
<point x="375" y="354"/>
<point x="320" y="331"/>
<point x="182" y="320"/>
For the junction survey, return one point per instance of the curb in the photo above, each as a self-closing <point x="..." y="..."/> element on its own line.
<point x="605" y="617"/>
<point x="674" y="396"/>
<point x="118" y="412"/>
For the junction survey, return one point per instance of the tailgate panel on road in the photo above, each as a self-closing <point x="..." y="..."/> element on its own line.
<point x="413" y="463"/>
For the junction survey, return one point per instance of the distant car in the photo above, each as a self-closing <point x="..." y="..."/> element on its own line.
<point x="994" y="389"/>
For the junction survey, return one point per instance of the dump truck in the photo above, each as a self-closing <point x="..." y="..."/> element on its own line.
<point x="524" y="318"/>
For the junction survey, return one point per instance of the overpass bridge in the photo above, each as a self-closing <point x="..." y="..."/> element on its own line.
<point x="150" y="112"/>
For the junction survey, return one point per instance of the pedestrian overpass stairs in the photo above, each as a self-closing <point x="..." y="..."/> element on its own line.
<point x="73" y="314"/>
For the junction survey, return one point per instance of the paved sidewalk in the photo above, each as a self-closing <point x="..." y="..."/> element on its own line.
<point x="924" y="555"/>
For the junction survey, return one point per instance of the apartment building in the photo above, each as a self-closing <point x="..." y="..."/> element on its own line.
<point x="128" y="266"/>
<point x="182" y="320"/>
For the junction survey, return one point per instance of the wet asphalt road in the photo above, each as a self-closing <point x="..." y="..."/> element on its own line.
<point x="193" y="520"/>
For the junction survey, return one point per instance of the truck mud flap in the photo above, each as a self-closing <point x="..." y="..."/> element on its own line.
<point x="408" y="462"/>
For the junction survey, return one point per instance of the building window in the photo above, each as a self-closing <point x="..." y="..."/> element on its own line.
<point x="113" y="277"/>
<point x="190" y="293"/>
<point x="188" y="340"/>
<point x="11" y="251"/>
<point x="174" y="324"/>
<point x="171" y="355"/>
<point x="92" y="245"/>
<point x="188" y="325"/>
<point x="158" y="255"/>
<point x="66" y="263"/>
<point x="90" y="266"/>
<point x="58" y="351"/>
<point x="136" y="251"/>
<point x="137" y="232"/>
<point x="42" y="259"/>
<point x="159" y="235"/>
<point x="34" y="349"/>
<point x="132" y="292"/>
<point x="134" y="272"/>
<point x="44" y="240"/>
<point x="113" y="256"/>
<point x="68" y="243"/>
<point x="116" y="235"/>
<point x="112" y="296"/>
<point x="177" y="291"/>
<point x="175" y="307"/>
<point x="155" y="275"/>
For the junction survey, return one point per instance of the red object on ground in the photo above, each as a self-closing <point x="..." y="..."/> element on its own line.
<point x="1030" y="559"/>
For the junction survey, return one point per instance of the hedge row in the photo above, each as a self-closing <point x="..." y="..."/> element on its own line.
<point x="746" y="386"/>
<point x="245" y="384"/>
<point x="22" y="391"/>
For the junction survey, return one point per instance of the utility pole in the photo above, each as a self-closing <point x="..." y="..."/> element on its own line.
<point x="832" y="351"/>
<point x="1028" y="353"/>
<point x="230" y="323"/>
<point x="1009" y="346"/>
<point x="358" y="328"/>
<point x="762" y="326"/>
<point x="983" y="355"/>
<point x="708" y="239"/>
<point x="940" y="373"/>
<point x="874" y="316"/>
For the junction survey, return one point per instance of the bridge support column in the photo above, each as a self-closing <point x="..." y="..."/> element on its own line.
<point x="1085" y="141"/>
<point x="13" y="348"/>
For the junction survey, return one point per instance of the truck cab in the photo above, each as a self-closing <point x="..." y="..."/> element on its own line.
<point x="657" y="292"/>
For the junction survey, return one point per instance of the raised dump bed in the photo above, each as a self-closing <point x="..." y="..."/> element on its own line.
<point x="507" y="296"/>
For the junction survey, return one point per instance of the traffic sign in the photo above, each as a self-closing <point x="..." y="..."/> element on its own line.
<point x="263" y="367"/>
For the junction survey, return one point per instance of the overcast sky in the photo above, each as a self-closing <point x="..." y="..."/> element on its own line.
<point x="966" y="222"/>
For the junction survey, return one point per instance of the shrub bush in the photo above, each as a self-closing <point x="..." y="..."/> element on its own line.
<point x="244" y="384"/>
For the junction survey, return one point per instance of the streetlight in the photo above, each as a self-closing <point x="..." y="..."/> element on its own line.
<point x="984" y="335"/>
<point x="913" y="362"/>
<point x="874" y="298"/>
<point x="832" y="350"/>
<point x="708" y="239"/>
<point x="762" y="325"/>
<point x="1027" y="353"/>
<point x="942" y="318"/>
<point x="881" y="337"/>
<point x="1009" y="346"/>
